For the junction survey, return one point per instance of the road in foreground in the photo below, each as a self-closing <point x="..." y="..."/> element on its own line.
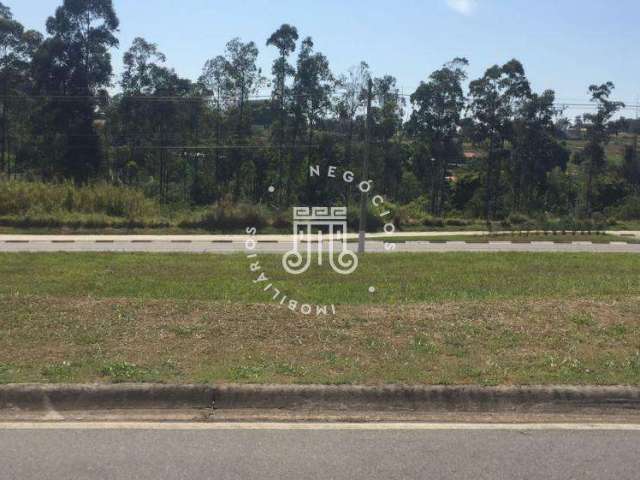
<point x="297" y="451"/>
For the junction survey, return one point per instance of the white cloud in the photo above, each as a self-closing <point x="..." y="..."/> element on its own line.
<point x="465" y="7"/>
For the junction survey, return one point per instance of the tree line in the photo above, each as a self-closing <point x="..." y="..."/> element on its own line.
<point x="488" y="147"/>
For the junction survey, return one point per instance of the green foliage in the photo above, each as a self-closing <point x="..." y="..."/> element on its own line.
<point x="582" y="319"/>
<point x="488" y="152"/>
<point x="630" y="209"/>
<point x="58" y="372"/>
<point x="119" y="372"/>
<point x="231" y="217"/>
<point x="374" y="221"/>
<point x="518" y="219"/>
<point x="74" y="61"/>
<point x="430" y="221"/>
<point x="20" y="198"/>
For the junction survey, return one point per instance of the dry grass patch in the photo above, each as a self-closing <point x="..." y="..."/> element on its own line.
<point x="50" y="339"/>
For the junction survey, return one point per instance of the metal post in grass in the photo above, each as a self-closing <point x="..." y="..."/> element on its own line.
<point x="362" y="233"/>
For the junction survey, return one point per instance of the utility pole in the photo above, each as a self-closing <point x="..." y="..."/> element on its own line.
<point x="364" y="197"/>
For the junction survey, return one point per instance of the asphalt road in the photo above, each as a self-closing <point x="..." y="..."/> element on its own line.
<point x="325" y="452"/>
<point x="236" y="244"/>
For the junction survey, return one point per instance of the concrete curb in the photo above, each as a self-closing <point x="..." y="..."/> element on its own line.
<point x="41" y="397"/>
<point x="538" y="399"/>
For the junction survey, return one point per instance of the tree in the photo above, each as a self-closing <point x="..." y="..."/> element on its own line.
<point x="600" y="127"/>
<point x="312" y="88"/>
<point x="16" y="49"/>
<point x="388" y="115"/>
<point x="244" y="76"/>
<point x="351" y="100"/>
<point x="631" y="168"/>
<point x="141" y="62"/>
<point x="284" y="39"/>
<point x="215" y="80"/>
<point x="494" y="99"/>
<point x="244" y="79"/>
<point x="143" y="69"/>
<point x="71" y="67"/>
<point x="216" y="83"/>
<point x="159" y="120"/>
<point x="535" y="151"/>
<point x="435" y="120"/>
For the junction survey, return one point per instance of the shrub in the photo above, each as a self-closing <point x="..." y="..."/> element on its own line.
<point x="407" y="216"/>
<point x="374" y="221"/>
<point x="430" y="221"/>
<point x="282" y="220"/>
<point x="518" y="219"/>
<point x="456" y="222"/>
<point x="600" y="221"/>
<point x="630" y="209"/>
<point x="226" y="216"/>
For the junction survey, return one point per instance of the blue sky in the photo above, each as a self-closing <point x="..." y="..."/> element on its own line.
<point x="564" y="44"/>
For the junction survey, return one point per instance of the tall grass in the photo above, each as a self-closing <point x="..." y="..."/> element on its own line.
<point x="21" y="198"/>
<point x="228" y="216"/>
<point x="25" y="204"/>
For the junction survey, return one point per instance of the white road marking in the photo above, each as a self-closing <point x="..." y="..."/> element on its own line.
<point x="316" y="426"/>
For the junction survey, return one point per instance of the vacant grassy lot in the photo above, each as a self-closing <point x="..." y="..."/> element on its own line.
<point x="435" y="318"/>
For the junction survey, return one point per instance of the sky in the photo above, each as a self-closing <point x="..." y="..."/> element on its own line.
<point x="564" y="45"/>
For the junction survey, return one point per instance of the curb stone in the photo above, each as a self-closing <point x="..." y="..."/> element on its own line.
<point x="42" y="397"/>
<point x="538" y="399"/>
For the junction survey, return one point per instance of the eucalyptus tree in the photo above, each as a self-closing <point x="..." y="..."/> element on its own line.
<point x="351" y="100"/>
<point x="284" y="39"/>
<point x="600" y="126"/>
<point x="72" y="67"/>
<point x="244" y="79"/>
<point x="388" y="115"/>
<point x="141" y="61"/>
<point x="352" y="88"/>
<point x="436" y="118"/>
<point x="216" y="84"/>
<point x="155" y="111"/>
<point x="494" y="99"/>
<point x="312" y="88"/>
<point x="215" y="80"/>
<point x="135" y="126"/>
<point x="535" y="150"/>
<point x="243" y="76"/>
<point x="16" y="50"/>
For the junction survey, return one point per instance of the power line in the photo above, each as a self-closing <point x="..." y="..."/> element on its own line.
<point x="198" y="99"/>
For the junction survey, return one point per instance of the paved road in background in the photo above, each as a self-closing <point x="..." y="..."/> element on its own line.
<point x="238" y="452"/>
<point x="276" y="244"/>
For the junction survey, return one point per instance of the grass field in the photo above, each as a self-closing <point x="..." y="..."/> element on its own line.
<point x="400" y="278"/>
<point x="435" y="318"/>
